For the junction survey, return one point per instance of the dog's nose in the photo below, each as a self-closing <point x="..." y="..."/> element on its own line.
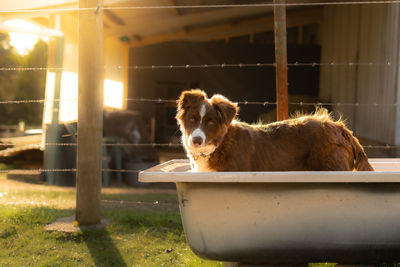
<point x="197" y="140"/>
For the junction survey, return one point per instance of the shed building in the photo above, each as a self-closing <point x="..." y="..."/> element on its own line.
<point x="354" y="48"/>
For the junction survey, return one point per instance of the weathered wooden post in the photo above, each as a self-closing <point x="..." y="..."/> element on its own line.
<point x="90" y="112"/>
<point x="281" y="60"/>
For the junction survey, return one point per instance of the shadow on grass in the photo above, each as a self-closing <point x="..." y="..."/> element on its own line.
<point x="102" y="248"/>
<point x="24" y="220"/>
<point x="95" y="247"/>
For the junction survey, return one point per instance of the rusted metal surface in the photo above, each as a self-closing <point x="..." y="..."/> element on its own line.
<point x="236" y="217"/>
<point x="281" y="60"/>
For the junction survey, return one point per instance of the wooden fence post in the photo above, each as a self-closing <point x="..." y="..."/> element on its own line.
<point x="281" y="60"/>
<point x="90" y="112"/>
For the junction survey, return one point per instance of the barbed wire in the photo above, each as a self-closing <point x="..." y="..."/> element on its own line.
<point x="245" y="102"/>
<point x="255" y="65"/>
<point x="40" y="170"/>
<point x="37" y="101"/>
<point x="387" y="146"/>
<point x="104" y="144"/>
<point x="29" y="171"/>
<point x="28" y="68"/>
<point x="380" y="146"/>
<point x="254" y="5"/>
<point x="343" y="104"/>
<point x="23" y="101"/>
<point x="221" y="65"/>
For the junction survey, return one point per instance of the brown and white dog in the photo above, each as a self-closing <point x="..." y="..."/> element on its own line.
<point x="214" y="141"/>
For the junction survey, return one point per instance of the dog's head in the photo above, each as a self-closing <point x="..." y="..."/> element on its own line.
<point x="204" y="121"/>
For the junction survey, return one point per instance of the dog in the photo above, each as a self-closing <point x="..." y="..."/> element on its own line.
<point x="215" y="141"/>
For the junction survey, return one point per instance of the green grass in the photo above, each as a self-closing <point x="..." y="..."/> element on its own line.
<point x="140" y="238"/>
<point x="132" y="237"/>
<point x="44" y="195"/>
<point x="4" y="167"/>
<point x="145" y="198"/>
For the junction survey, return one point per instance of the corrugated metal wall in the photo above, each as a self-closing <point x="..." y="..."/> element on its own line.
<point x="369" y="36"/>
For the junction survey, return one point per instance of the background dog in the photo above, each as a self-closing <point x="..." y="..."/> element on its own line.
<point x="214" y="141"/>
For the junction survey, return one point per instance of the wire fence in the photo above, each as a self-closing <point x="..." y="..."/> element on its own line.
<point x="209" y="66"/>
<point x="172" y="67"/>
<point x="243" y="102"/>
<point x="29" y="171"/>
<point x="158" y="145"/>
<point x="205" y="6"/>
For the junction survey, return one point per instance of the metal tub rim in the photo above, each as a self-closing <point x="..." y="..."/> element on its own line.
<point x="387" y="171"/>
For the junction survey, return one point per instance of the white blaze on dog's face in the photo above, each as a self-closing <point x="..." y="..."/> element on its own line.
<point x="203" y="121"/>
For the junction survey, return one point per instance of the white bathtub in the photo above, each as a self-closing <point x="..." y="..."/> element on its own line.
<point x="289" y="217"/>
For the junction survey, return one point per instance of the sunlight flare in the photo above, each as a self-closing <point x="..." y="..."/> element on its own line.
<point x="23" y="42"/>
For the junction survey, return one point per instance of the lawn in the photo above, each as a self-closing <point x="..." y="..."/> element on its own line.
<point x="143" y="229"/>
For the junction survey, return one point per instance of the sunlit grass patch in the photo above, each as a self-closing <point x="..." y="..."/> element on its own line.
<point x="142" y="197"/>
<point x="134" y="236"/>
<point x="141" y="238"/>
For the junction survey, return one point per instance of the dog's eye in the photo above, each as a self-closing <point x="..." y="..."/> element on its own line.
<point x="209" y="122"/>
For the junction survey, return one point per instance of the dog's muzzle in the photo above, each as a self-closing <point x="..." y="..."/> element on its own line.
<point x="197" y="141"/>
<point x="197" y="138"/>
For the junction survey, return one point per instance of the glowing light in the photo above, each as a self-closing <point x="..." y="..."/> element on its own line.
<point x="48" y="105"/>
<point x="113" y="94"/>
<point x="34" y="131"/>
<point x="23" y="42"/>
<point x="69" y="97"/>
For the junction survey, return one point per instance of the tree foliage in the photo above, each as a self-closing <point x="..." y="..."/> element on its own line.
<point x="22" y="85"/>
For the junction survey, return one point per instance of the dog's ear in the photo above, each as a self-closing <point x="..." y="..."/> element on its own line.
<point x="226" y="110"/>
<point x="188" y="98"/>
